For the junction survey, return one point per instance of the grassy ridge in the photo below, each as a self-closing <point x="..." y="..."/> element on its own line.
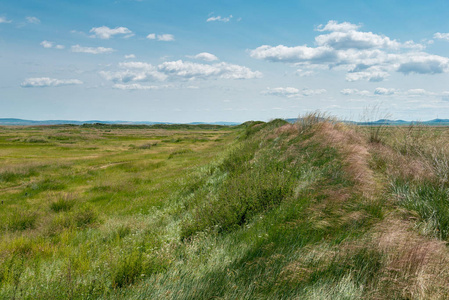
<point x="313" y="210"/>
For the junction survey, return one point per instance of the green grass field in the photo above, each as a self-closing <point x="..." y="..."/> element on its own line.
<point x="313" y="210"/>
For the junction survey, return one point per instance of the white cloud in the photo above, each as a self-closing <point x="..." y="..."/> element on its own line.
<point x="291" y="92"/>
<point x="335" y="26"/>
<point x="33" y="20"/>
<point x="384" y="91"/>
<point x="420" y="92"/>
<point x="134" y="71"/>
<point x="161" y="37"/>
<point x="441" y="36"/>
<point x="48" y="82"/>
<point x="373" y="75"/>
<point x="355" y="39"/>
<point x="283" y="53"/>
<point x="423" y="63"/>
<point x="47" y="44"/>
<point x="165" y="37"/>
<point x="356" y="92"/>
<point x="205" y="56"/>
<point x="219" y="19"/>
<point x="130" y="56"/>
<point x="4" y="20"/>
<point x="137" y="86"/>
<point x="309" y="92"/>
<point x="190" y="70"/>
<point x="304" y="73"/>
<point x="105" y="32"/>
<point x="91" y="50"/>
<point x="363" y="55"/>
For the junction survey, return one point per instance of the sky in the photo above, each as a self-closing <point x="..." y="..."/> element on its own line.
<point x="223" y="60"/>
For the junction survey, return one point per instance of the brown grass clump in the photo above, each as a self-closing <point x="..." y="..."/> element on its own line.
<point x="403" y="166"/>
<point x="355" y="154"/>
<point x="415" y="266"/>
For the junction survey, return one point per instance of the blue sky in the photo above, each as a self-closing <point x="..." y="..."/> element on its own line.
<point x="184" y="61"/>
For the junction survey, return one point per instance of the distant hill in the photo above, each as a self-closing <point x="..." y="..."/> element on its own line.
<point x="22" y="122"/>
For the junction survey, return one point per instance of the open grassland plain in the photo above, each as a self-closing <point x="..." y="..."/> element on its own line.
<point x="312" y="210"/>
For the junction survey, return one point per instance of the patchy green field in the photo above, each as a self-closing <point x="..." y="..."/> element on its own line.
<point x="80" y="201"/>
<point x="313" y="210"/>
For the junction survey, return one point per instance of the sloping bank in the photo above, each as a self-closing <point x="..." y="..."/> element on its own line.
<point x="294" y="211"/>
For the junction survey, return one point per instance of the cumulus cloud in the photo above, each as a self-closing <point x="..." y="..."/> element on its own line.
<point x="165" y="37"/>
<point x="190" y="70"/>
<point x="370" y="74"/>
<point x="33" y="20"/>
<point x="48" y="82"/>
<point x="137" y="86"/>
<point x="441" y="36"/>
<point x="47" y="44"/>
<point x="219" y="19"/>
<point x="4" y="20"/>
<point x="355" y="40"/>
<point x="363" y="55"/>
<point x="161" y="37"/>
<point x="310" y="92"/>
<point x="304" y="73"/>
<point x="106" y="33"/>
<point x="133" y="72"/>
<point x="384" y="91"/>
<point x="354" y="92"/>
<point x="205" y="56"/>
<point x="129" y="56"/>
<point x="423" y="63"/>
<point x="296" y="54"/>
<point x="291" y="92"/>
<point x="91" y="50"/>
<point x="338" y="27"/>
<point x="288" y="92"/>
<point x="420" y="92"/>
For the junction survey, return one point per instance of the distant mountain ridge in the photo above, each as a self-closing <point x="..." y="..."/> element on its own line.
<point x="22" y="122"/>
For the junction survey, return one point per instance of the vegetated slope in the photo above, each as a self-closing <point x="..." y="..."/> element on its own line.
<point x="311" y="210"/>
<point x="306" y="211"/>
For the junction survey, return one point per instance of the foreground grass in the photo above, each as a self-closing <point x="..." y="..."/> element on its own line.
<point x="314" y="210"/>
